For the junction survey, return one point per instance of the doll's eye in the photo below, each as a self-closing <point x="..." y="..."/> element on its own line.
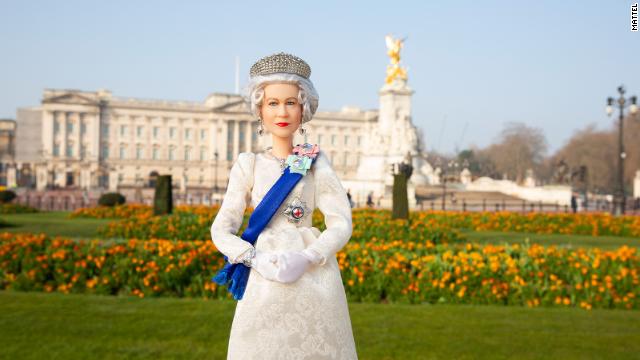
<point x="291" y="102"/>
<point x="271" y="103"/>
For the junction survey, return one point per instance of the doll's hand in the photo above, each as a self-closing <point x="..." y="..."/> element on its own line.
<point x="291" y="266"/>
<point x="264" y="264"/>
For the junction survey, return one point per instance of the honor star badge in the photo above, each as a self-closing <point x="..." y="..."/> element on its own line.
<point x="296" y="210"/>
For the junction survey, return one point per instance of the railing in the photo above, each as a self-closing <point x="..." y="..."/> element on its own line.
<point x="70" y="201"/>
<point x="523" y="206"/>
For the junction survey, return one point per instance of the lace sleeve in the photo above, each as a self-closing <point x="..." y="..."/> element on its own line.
<point x="230" y="216"/>
<point x="332" y="200"/>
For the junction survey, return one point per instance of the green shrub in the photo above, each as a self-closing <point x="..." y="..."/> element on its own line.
<point x="17" y="209"/>
<point x="111" y="199"/>
<point x="7" y="196"/>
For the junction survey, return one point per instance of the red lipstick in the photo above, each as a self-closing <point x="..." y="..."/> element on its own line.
<point x="282" y="124"/>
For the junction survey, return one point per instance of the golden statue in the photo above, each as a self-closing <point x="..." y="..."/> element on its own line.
<point x="394" y="70"/>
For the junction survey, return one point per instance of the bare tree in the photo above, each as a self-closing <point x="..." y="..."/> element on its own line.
<point x="595" y="149"/>
<point x="518" y="148"/>
<point x="632" y="147"/>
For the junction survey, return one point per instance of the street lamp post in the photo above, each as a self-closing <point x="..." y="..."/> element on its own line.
<point x="619" y="195"/>
<point x="444" y="174"/>
<point x="215" y="184"/>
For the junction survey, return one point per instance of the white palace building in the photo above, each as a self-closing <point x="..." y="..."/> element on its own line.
<point x="94" y="140"/>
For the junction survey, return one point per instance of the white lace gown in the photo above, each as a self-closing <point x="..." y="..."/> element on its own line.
<point x="306" y="319"/>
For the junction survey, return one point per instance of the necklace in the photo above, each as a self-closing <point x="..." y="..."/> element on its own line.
<point x="281" y="160"/>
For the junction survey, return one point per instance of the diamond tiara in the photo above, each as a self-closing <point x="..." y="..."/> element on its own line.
<point x="280" y="63"/>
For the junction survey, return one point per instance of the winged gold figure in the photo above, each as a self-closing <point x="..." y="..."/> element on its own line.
<point x="394" y="70"/>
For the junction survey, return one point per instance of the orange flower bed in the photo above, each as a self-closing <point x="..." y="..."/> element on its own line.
<point x="377" y="270"/>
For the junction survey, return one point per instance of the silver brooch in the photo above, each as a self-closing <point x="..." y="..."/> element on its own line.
<point x="296" y="210"/>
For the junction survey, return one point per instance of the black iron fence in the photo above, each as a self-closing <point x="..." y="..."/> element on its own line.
<point x="632" y="208"/>
<point x="61" y="200"/>
<point x="69" y="200"/>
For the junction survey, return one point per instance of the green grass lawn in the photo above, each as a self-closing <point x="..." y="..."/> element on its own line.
<point x="42" y="326"/>
<point x="54" y="223"/>
<point x="604" y="242"/>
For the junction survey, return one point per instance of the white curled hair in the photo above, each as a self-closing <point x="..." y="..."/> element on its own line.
<point x="307" y="95"/>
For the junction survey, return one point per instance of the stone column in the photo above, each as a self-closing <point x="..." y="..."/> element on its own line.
<point x="183" y="182"/>
<point x="93" y="129"/>
<point x="11" y="176"/>
<point x="78" y="138"/>
<point x="236" y="138"/>
<point x="41" y="177"/>
<point x="63" y="134"/>
<point x="60" y="177"/>
<point x="113" y="181"/>
<point x="223" y="141"/>
<point x="47" y="132"/>
<point x="85" y="178"/>
<point x="247" y="136"/>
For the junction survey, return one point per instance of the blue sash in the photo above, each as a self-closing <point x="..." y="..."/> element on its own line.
<point x="235" y="276"/>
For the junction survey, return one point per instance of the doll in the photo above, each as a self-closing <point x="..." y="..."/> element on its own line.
<point x="284" y="272"/>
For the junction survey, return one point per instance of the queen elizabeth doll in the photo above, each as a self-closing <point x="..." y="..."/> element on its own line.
<point x="281" y="269"/>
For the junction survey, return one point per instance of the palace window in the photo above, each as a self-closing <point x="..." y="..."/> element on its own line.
<point x="187" y="134"/>
<point x="123" y="151"/>
<point x="56" y="149"/>
<point x="139" y="131"/>
<point x="203" y="154"/>
<point x="69" y="150"/>
<point x="156" y="131"/>
<point x="359" y="140"/>
<point x="346" y="139"/>
<point x="172" y="153"/>
<point x="56" y="126"/>
<point x="123" y="130"/>
<point x="203" y="134"/>
<point x="156" y="153"/>
<point x="105" y="151"/>
<point x="187" y="153"/>
<point x="69" y="127"/>
<point x="105" y="130"/>
<point x="172" y="132"/>
<point x="139" y="152"/>
<point x="319" y="139"/>
<point x="333" y="139"/>
<point x="83" y="127"/>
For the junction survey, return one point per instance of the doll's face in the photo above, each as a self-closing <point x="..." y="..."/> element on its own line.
<point x="281" y="111"/>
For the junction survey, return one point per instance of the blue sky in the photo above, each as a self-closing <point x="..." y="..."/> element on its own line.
<point x="474" y="66"/>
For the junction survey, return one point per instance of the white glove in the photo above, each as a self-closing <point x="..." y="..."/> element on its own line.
<point x="264" y="264"/>
<point x="291" y="266"/>
<point x="312" y="255"/>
